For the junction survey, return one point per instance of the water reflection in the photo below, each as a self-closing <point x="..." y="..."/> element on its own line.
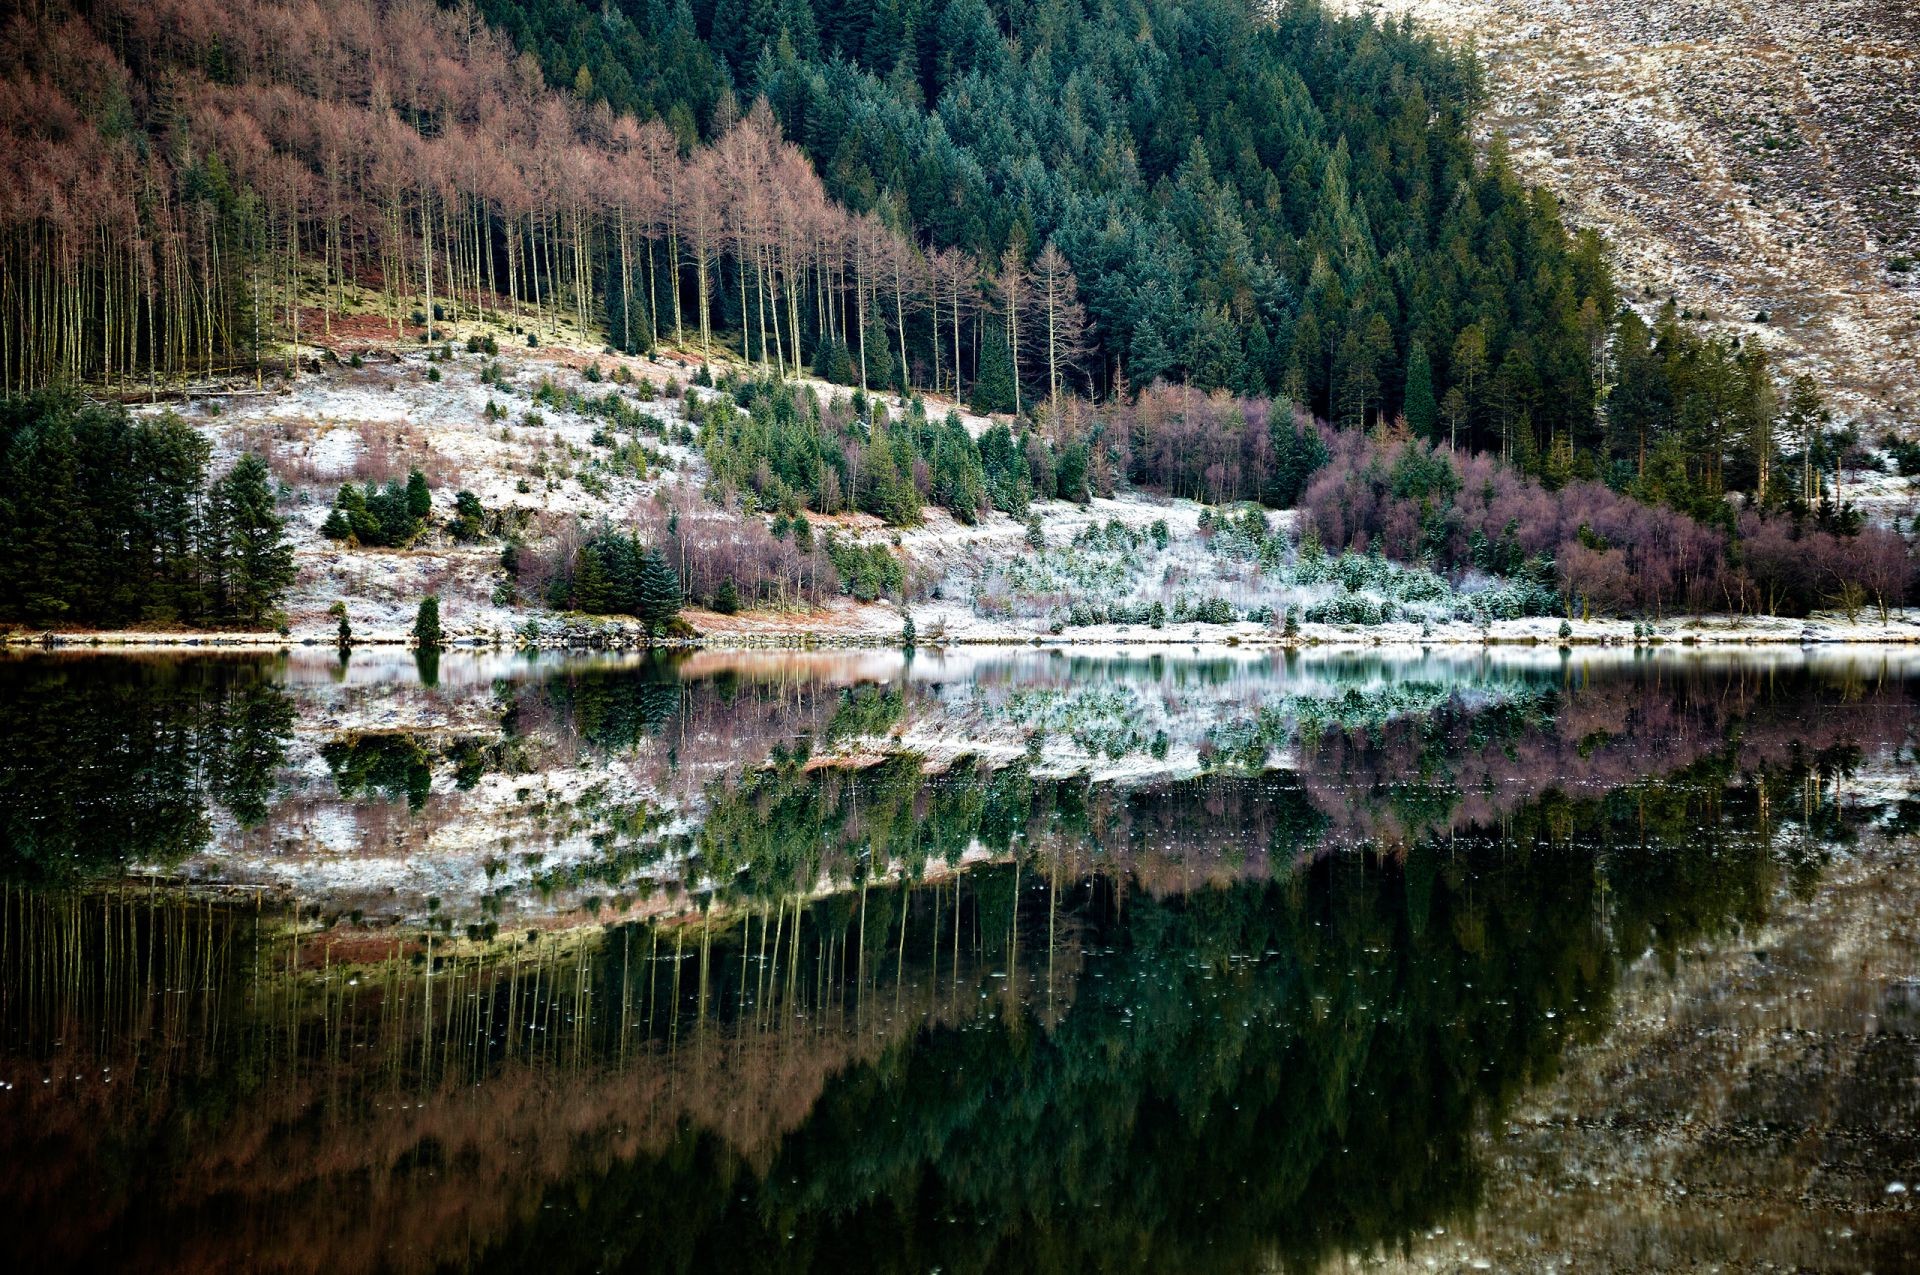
<point x="519" y="790"/>
<point x="1024" y="963"/>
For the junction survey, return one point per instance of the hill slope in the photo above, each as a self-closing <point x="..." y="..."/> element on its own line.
<point x="1753" y="157"/>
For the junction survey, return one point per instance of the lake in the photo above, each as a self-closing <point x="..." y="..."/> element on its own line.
<point x="998" y="960"/>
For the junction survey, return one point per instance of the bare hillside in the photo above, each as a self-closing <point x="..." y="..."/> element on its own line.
<point x="1748" y="157"/>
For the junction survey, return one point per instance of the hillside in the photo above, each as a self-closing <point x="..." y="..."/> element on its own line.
<point x="1752" y="158"/>
<point x="870" y="340"/>
<point x="529" y="433"/>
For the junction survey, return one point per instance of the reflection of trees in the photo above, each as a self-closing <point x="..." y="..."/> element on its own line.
<point x="105" y="764"/>
<point x="392" y="765"/>
<point x="1264" y="1069"/>
<point x="1387" y="782"/>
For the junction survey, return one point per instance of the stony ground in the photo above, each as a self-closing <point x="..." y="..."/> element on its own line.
<point x="1746" y="157"/>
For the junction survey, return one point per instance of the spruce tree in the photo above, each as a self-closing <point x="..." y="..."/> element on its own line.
<point x="590" y="590"/>
<point x="656" y="592"/>
<point x="426" y="624"/>
<point x="419" y="499"/>
<point x="1422" y="409"/>
<point x="1151" y="357"/>
<point x="993" y="387"/>
<point x="256" y="561"/>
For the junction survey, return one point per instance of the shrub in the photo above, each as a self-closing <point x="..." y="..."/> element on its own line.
<point x="390" y="516"/>
<point x="426" y="623"/>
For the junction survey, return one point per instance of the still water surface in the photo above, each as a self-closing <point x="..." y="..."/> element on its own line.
<point x="1119" y="961"/>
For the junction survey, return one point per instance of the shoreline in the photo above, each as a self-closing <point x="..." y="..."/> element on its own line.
<point x="1707" y="631"/>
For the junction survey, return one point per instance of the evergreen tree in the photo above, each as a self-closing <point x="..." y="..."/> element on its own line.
<point x="426" y="624"/>
<point x="657" y="597"/>
<point x="256" y="561"/>
<point x="1152" y="359"/>
<point x="592" y="590"/>
<point x="469" y="518"/>
<point x="1004" y="469"/>
<point x="993" y="387"/>
<point x="1422" y="409"/>
<point x="419" y="500"/>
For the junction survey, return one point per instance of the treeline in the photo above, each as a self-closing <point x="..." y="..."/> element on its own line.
<point x="1268" y="200"/>
<point x="294" y="155"/>
<point x="109" y="521"/>
<point x="295" y="158"/>
<point x="1612" y="554"/>
<point x="1005" y="203"/>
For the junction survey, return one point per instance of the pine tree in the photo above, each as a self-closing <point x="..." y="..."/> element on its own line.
<point x="250" y="540"/>
<point x="419" y="499"/>
<point x="426" y="624"/>
<point x="1422" y="409"/>
<point x="993" y="387"/>
<point x="657" y="597"/>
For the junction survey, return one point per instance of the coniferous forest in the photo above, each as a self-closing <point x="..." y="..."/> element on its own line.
<point x="1037" y="209"/>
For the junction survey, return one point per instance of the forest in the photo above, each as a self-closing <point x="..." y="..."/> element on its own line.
<point x="109" y="521"/>
<point x="1005" y="203"/>
<point x="1041" y="210"/>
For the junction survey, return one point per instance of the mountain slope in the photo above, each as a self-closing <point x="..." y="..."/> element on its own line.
<point x="1753" y="157"/>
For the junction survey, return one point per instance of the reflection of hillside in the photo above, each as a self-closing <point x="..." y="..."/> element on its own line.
<point x="1265" y="1068"/>
<point x="1361" y="770"/>
<point x="541" y="790"/>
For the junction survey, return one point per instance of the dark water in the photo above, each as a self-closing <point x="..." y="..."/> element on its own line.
<point x="1024" y="962"/>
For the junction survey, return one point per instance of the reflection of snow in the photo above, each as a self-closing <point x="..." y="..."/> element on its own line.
<point x="527" y="835"/>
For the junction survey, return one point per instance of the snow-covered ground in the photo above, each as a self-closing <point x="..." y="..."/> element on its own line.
<point x="521" y="431"/>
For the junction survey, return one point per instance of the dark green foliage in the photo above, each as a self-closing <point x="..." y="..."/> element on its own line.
<point x="469" y="518"/>
<point x="865" y="711"/>
<point x="788" y="454"/>
<point x="396" y="766"/>
<point x="388" y="517"/>
<point x="426" y="623"/>
<point x="1422" y="408"/>
<point x="992" y="389"/>
<point x="419" y="499"/>
<point x="866" y="571"/>
<point x="957" y="480"/>
<point x="656" y="591"/>
<point x="1070" y="472"/>
<point x="613" y="574"/>
<point x="109" y="521"/>
<point x="254" y="561"/>
<point x="1298" y="452"/>
<point x="116" y="764"/>
<point x="875" y="354"/>
<point x="832" y="363"/>
<point x="1003" y="463"/>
